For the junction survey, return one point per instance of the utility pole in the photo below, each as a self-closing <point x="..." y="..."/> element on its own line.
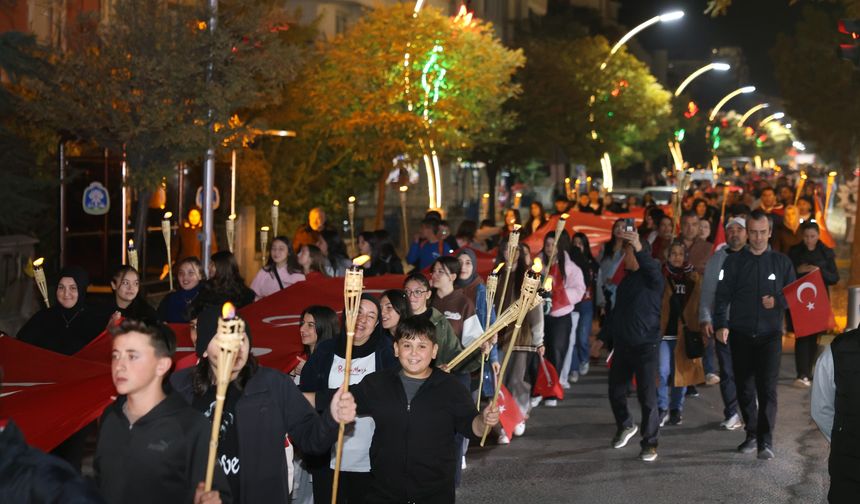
<point x="209" y="165"/>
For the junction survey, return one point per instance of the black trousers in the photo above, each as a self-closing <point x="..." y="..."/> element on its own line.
<point x="805" y="350"/>
<point x="643" y="361"/>
<point x="756" y="365"/>
<point x="728" y="388"/>
<point x="557" y="338"/>
<point x="353" y="487"/>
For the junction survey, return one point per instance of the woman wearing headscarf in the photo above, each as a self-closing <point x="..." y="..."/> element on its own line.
<point x="71" y="323"/>
<point x="473" y="288"/>
<point x="321" y="377"/>
<point x="66" y="327"/>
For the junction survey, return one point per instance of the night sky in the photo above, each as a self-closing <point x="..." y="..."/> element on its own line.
<point x="750" y="24"/>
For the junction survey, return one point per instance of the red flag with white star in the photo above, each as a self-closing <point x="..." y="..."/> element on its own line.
<point x="809" y="305"/>
<point x="509" y="413"/>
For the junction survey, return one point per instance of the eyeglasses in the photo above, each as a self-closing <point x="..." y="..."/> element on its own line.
<point x="415" y="293"/>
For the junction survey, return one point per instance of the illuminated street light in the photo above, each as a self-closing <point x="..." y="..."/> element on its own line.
<point x="720" y="67"/>
<point x="772" y="117"/>
<point x="750" y="112"/>
<point x="736" y="92"/>
<point x="663" y="18"/>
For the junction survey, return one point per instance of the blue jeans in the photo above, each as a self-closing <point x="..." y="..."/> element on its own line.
<point x="667" y="374"/>
<point x="582" y="349"/>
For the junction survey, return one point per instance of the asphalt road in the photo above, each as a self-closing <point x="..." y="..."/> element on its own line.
<point x="565" y="455"/>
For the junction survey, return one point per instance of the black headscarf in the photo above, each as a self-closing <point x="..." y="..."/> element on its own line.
<point x="458" y="283"/>
<point x="66" y="330"/>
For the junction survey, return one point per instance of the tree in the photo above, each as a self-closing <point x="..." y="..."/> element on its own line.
<point x="820" y="89"/>
<point x="157" y="84"/>
<point x="393" y="84"/>
<point x="630" y="110"/>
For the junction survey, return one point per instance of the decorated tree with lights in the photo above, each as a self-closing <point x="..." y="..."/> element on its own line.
<point x="631" y="111"/>
<point x="394" y="84"/>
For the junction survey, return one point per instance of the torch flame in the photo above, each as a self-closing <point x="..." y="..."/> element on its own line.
<point x="168" y="215"/>
<point x="351" y="199"/>
<point x="264" y="228"/>
<point x="38" y="262"/>
<point x="499" y="268"/>
<point x="404" y="188"/>
<point x="832" y="174"/>
<point x="360" y="260"/>
<point x="130" y="243"/>
<point x="276" y="203"/>
<point x="564" y="216"/>
<point x="567" y="180"/>
<point x="486" y="195"/>
<point x="547" y="284"/>
<point x="232" y="216"/>
<point x="517" y="228"/>
<point x="228" y="311"/>
<point x="537" y="266"/>
<point x="803" y="175"/>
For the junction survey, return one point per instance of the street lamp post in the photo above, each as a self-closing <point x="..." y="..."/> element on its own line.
<point x="750" y="112"/>
<point x="663" y="18"/>
<point x="736" y="92"/>
<point x="772" y="117"/>
<point x="720" y="67"/>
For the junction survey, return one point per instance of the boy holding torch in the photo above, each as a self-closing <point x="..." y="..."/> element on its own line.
<point x="152" y="446"/>
<point x="418" y="410"/>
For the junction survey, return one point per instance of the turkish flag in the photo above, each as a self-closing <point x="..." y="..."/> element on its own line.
<point x="509" y="413"/>
<point x="547" y="384"/>
<point x="809" y="305"/>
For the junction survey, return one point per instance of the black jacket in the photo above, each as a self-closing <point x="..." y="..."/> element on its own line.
<point x="822" y="256"/>
<point x="635" y="316"/>
<point x="270" y="408"/>
<point x="32" y="476"/>
<point x="413" y="456"/>
<point x="161" y="458"/>
<point x="744" y="280"/>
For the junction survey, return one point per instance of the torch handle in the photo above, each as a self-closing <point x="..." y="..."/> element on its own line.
<point x="213" y="439"/>
<point x="508" y="351"/>
<point x="347" y="372"/>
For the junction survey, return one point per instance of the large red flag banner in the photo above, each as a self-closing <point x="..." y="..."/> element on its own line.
<point x="50" y="396"/>
<point x="809" y="305"/>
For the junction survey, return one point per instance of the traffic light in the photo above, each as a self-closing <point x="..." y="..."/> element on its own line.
<point x="850" y="50"/>
<point x="692" y="109"/>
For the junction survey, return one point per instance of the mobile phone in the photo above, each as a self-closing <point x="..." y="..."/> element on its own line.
<point x="629" y="225"/>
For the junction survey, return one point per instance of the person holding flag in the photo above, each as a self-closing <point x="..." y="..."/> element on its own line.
<point x="751" y="283"/>
<point x="807" y="257"/>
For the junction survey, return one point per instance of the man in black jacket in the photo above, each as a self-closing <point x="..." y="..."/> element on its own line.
<point x="152" y="446"/>
<point x="634" y="332"/>
<point x="751" y="284"/>
<point x="418" y="409"/>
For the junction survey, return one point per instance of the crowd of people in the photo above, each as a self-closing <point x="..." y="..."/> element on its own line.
<point x="673" y="310"/>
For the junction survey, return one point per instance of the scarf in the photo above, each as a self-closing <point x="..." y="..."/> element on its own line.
<point x="460" y="283"/>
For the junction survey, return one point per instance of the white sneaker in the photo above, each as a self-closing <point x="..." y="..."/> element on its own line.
<point x="565" y="385"/>
<point x="463" y="463"/>
<point x="520" y="429"/>
<point x="551" y="403"/>
<point x="802" y="382"/>
<point x="536" y="401"/>
<point x="583" y="368"/>
<point x="573" y="377"/>
<point x="732" y="423"/>
<point x="712" y="379"/>
<point x="503" y="439"/>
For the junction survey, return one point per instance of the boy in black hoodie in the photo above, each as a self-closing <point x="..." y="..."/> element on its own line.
<point x="418" y="409"/>
<point x="152" y="446"/>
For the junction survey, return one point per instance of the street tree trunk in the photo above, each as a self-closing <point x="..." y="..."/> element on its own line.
<point x="140" y="221"/>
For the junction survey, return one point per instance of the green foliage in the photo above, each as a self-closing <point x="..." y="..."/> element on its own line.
<point x="819" y="89"/>
<point x="351" y="103"/>
<point x="632" y="112"/>
<point x="143" y="81"/>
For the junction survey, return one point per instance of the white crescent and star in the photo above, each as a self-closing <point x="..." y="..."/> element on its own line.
<point x="807" y="285"/>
